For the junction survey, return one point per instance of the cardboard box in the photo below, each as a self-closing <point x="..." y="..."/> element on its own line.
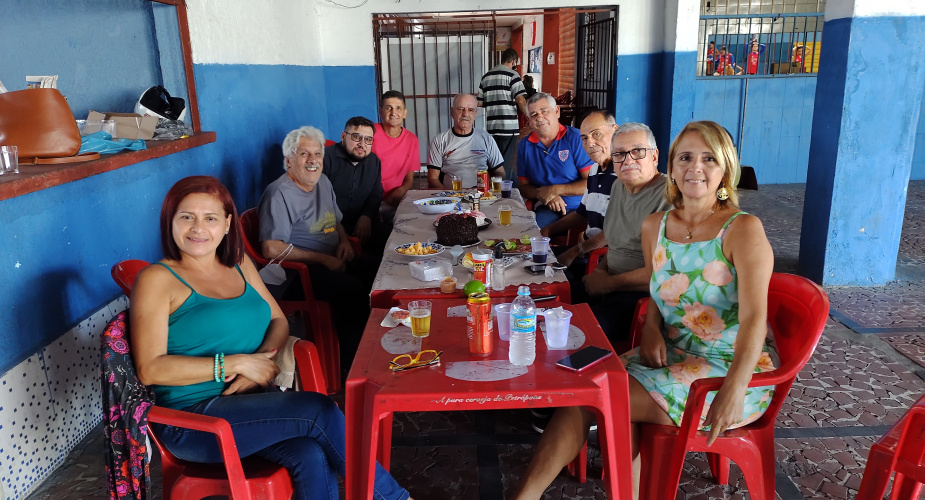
<point x="128" y="125"/>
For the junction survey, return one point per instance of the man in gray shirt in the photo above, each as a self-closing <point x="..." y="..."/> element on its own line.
<point x="620" y="279"/>
<point x="300" y="208"/>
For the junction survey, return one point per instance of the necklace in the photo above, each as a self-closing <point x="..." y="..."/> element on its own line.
<point x="690" y="229"/>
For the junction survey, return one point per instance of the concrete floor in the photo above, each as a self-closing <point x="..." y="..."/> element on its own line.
<point x="867" y="370"/>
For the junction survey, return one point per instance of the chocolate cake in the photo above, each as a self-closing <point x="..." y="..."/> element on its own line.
<point x="457" y="229"/>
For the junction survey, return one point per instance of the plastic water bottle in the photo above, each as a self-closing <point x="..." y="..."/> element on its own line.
<point x="522" y="350"/>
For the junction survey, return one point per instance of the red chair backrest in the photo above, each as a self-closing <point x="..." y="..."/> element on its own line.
<point x="250" y="229"/>
<point x="124" y="273"/>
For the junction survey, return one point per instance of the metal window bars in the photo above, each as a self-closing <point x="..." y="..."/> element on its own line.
<point x="787" y="44"/>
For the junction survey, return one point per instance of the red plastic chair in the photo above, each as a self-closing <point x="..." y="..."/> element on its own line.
<point x="318" y="312"/>
<point x="797" y="312"/>
<point x="241" y="479"/>
<point x="594" y="258"/>
<point x="901" y="450"/>
<point x="123" y="273"/>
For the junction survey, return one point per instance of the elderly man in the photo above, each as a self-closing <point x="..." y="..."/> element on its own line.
<point x="398" y="149"/>
<point x="552" y="164"/>
<point x="300" y="209"/>
<point x="619" y="281"/>
<point x="462" y="151"/>
<point x="596" y="131"/>
<point x="502" y="94"/>
<point x="356" y="174"/>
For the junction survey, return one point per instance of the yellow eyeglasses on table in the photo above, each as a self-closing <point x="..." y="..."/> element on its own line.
<point x="407" y="362"/>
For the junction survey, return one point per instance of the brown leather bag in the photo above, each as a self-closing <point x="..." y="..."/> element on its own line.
<point x="40" y="123"/>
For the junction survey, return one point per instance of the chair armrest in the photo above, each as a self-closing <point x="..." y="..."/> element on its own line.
<point x="223" y="435"/>
<point x="308" y="364"/>
<point x="594" y="258"/>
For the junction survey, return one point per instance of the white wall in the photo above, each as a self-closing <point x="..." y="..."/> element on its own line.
<point x="319" y="32"/>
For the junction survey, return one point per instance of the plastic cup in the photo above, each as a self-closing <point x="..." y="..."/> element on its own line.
<point x="9" y="159"/>
<point x="420" y="317"/>
<point x="557" y="326"/>
<point x="497" y="276"/>
<point x="495" y="185"/>
<point x="457" y="183"/>
<point x="539" y="245"/>
<point x="504" y="215"/>
<point x="506" y="187"/>
<point x="503" y="315"/>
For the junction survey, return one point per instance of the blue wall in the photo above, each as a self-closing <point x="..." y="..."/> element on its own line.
<point x="641" y="88"/>
<point x="778" y="121"/>
<point x="104" y="51"/>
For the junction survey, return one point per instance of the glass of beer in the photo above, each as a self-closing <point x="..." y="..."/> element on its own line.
<point x="504" y="215"/>
<point x="457" y="183"/>
<point x="420" y="317"/>
<point x="496" y="186"/>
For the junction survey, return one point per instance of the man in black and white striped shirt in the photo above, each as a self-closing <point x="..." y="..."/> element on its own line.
<point x="502" y="93"/>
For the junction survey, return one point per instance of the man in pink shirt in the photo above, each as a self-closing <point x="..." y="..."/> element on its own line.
<point x="398" y="150"/>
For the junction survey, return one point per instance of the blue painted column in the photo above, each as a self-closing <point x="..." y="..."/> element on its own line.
<point x="868" y="97"/>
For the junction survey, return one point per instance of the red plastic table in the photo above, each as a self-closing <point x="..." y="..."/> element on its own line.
<point x="373" y="393"/>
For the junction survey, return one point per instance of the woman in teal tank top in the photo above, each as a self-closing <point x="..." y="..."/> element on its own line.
<point x="204" y="333"/>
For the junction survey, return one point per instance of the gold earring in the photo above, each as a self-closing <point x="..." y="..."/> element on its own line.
<point x="722" y="194"/>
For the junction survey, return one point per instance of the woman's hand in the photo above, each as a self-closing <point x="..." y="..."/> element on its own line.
<point x="652" y="348"/>
<point x="258" y="367"/>
<point x="240" y="385"/>
<point x="726" y="410"/>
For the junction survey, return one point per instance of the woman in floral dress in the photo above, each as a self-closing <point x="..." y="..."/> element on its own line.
<point x="711" y="265"/>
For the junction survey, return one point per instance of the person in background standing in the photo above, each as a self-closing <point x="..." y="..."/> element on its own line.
<point x="502" y="93"/>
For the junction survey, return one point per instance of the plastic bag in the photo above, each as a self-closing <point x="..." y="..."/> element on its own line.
<point x="171" y="129"/>
<point x="102" y="142"/>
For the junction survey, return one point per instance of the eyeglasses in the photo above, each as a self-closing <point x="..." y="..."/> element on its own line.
<point x="637" y="154"/>
<point x="355" y="137"/>
<point x="407" y="362"/>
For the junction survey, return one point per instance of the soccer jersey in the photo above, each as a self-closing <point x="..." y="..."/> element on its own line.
<point x="498" y="92"/>
<point x="561" y="163"/>
<point x="463" y="156"/>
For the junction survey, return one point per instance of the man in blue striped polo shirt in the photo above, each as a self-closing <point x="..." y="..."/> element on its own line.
<point x="502" y="93"/>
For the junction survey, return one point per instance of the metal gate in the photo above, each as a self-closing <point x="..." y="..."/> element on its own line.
<point x="595" y="74"/>
<point x="430" y="61"/>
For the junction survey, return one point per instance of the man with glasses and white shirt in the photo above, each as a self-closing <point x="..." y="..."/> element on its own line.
<point x="356" y="174"/>
<point x="463" y="150"/>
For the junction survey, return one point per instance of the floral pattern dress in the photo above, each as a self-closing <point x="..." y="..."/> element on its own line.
<point x="695" y="288"/>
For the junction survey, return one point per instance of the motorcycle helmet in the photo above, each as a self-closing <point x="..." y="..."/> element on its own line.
<point x="156" y="101"/>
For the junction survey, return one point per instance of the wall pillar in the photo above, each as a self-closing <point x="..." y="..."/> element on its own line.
<point x="868" y="97"/>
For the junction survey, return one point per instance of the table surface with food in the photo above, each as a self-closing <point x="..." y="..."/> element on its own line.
<point x="427" y="227"/>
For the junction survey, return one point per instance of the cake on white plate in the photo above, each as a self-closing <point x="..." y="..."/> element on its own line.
<point x="479" y="216"/>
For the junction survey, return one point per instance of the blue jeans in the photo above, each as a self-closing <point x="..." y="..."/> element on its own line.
<point x="545" y="216"/>
<point x="302" y="431"/>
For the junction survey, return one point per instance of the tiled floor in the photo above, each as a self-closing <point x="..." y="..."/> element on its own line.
<point x="867" y="369"/>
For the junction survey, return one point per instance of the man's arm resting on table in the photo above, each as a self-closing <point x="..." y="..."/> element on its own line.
<point x="273" y="248"/>
<point x="563" y="225"/>
<point x="527" y="190"/>
<point x="583" y="248"/>
<point x="433" y="178"/>
<point x="394" y="198"/>
<point x="576" y="187"/>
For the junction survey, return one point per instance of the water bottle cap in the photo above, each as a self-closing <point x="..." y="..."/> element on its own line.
<point x="523" y="290"/>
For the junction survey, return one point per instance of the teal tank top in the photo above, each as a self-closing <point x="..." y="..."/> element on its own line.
<point x="204" y="326"/>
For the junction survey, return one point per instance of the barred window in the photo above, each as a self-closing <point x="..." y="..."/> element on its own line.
<point x="760" y="37"/>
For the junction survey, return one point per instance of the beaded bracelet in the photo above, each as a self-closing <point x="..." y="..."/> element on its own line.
<point x="215" y="369"/>
<point x="221" y="362"/>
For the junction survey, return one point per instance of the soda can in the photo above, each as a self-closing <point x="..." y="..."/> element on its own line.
<point x="482" y="182"/>
<point x="479" y="324"/>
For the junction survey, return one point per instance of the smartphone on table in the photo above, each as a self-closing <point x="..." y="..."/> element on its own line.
<point x="583" y="358"/>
